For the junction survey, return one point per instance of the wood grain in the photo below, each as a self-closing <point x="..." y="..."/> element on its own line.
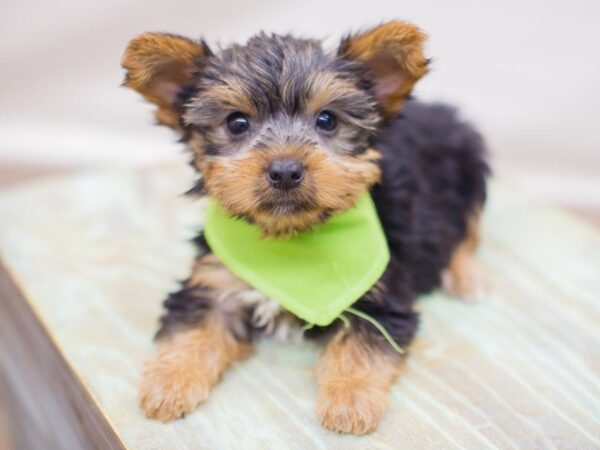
<point x="95" y="254"/>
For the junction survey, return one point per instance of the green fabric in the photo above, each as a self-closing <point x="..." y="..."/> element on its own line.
<point x="315" y="275"/>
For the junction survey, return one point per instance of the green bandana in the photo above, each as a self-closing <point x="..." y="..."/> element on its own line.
<point x="316" y="275"/>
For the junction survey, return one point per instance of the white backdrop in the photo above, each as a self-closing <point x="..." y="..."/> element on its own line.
<point x="527" y="73"/>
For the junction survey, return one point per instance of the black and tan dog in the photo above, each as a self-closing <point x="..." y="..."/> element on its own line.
<point x="285" y="135"/>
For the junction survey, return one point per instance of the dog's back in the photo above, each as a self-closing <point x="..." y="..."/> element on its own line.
<point x="433" y="180"/>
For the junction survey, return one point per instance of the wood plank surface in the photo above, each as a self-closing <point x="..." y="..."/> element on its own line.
<point x="95" y="254"/>
<point x="48" y="406"/>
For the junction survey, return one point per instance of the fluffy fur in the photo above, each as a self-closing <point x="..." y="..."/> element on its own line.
<point x="424" y="167"/>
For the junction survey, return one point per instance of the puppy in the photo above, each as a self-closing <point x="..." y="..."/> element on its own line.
<point x="330" y="126"/>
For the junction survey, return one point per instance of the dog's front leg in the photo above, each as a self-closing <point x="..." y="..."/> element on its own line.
<point x="203" y="332"/>
<point x="187" y="365"/>
<point x="354" y="377"/>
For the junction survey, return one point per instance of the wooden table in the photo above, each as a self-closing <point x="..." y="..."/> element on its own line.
<point x="87" y="260"/>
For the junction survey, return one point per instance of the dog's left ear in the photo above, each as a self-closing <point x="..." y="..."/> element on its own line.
<point x="394" y="53"/>
<point x="161" y="66"/>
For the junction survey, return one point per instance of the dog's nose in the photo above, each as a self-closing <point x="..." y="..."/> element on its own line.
<point x="285" y="174"/>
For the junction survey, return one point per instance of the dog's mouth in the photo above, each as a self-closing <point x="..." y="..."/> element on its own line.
<point x="281" y="214"/>
<point x="287" y="204"/>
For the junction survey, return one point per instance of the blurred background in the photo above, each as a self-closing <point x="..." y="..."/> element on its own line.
<point x="527" y="73"/>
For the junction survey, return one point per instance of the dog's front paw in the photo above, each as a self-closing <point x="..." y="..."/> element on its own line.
<point x="351" y="409"/>
<point x="170" y="391"/>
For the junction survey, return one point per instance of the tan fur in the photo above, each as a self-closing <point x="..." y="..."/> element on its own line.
<point x="463" y="277"/>
<point x="354" y="381"/>
<point x="394" y="52"/>
<point x="188" y="364"/>
<point x="209" y="271"/>
<point x="157" y="65"/>
<point x="239" y="183"/>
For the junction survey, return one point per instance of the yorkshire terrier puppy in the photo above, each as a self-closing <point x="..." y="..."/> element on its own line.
<point x="285" y="135"/>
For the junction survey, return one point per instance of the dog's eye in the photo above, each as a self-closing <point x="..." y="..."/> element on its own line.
<point x="326" y="121"/>
<point x="237" y="123"/>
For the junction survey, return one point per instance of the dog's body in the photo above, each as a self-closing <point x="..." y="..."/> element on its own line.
<point x="247" y="116"/>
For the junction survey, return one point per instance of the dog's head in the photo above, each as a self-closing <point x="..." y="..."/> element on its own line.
<point x="280" y="130"/>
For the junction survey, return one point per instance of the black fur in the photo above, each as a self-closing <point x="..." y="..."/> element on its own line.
<point x="184" y="308"/>
<point x="433" y="179"/>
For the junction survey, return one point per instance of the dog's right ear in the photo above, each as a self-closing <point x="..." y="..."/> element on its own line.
<point x="161" y="66"/>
